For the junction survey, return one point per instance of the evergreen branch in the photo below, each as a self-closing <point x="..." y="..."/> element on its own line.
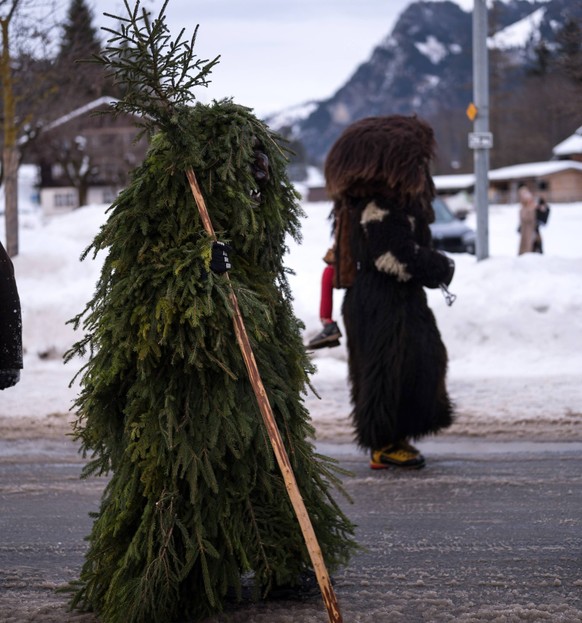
<point x="157" y="73"/>
<point x="257" y="533"/>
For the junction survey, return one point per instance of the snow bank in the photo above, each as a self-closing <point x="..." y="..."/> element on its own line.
<point x="514" y="334"/>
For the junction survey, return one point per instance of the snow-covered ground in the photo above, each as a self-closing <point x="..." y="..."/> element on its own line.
<point x="514" y="334"/>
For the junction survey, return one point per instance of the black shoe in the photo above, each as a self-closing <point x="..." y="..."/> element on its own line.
<point x="326" y="338"/>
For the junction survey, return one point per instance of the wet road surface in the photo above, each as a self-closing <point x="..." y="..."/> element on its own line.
<point x="488" y="531"/>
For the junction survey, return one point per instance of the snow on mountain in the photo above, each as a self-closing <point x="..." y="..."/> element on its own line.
<point x="433" y="49"/>
<point x="519" y="34"/>
<point x="289" y="117"/>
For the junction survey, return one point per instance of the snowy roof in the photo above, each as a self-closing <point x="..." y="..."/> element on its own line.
<point x="315" y="177"/>
<point x="516" y="171"/>
<point x="453" y="182"/>
<point x="571" y="145"/>
<point x="82" y="110"/>
<point x="534" y="169"/>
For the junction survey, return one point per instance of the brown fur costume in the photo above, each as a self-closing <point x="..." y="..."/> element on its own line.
<point x="377" y="172"/>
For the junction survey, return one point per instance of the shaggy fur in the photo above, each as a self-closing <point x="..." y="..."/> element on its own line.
<point x="377" y="173"/>
<point x="380" y="155"/>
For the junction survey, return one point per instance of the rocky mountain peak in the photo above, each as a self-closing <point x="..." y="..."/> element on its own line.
<point x="424" y="67"/>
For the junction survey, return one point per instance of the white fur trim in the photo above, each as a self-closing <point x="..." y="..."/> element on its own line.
<point x="388" y="263"/>
<point x="372" y="212"/>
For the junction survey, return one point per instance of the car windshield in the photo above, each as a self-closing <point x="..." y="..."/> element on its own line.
<point x="441" y="211"/>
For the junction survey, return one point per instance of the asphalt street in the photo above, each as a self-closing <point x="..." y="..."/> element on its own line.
<point x="489" y="531"/>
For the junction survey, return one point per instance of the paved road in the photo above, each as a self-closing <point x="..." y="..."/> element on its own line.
<point x="489" y="531"/>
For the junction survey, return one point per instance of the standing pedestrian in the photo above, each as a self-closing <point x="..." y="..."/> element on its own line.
<point x="378" y="175"/>
<point x="542" y="215"/>
<point x="528" y="224"/>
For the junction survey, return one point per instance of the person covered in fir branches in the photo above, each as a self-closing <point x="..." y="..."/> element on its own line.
<point x="195" y="504"/>
<point x="377" y="173"/>
<point x="10" y="324"/>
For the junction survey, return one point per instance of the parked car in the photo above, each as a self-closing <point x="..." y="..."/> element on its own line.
<point x="449" y="233"/>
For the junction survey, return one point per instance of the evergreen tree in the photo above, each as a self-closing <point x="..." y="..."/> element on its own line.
<point x="79" y="41"/>
<point x="195" y="500"/>
<point x="569" y="50"/>
<point x="542" y="61"/>
<point x="79" y="35"/>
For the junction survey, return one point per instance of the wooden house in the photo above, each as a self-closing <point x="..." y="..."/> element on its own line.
<point x="86" y="157"/>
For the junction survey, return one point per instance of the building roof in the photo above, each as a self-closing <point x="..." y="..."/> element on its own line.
<point x="454" y="182"/>
<point x="572" y="145"/>
<point x="82" y="110"/>
<point x="514" y="172"/>
<point x="533" y="169"/>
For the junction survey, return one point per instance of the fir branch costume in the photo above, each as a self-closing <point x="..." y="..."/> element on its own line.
<point x="377" y="173"/>
<point x="195" y="499"/>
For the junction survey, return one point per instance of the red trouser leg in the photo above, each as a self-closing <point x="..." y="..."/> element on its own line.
<point x="326" y="302"/>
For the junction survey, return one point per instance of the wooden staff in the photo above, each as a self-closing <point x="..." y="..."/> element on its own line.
<point x="327" y="592"/>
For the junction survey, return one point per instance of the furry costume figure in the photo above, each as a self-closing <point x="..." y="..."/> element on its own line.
<point x="196" y="500"/>
<point x="377" y="173"/>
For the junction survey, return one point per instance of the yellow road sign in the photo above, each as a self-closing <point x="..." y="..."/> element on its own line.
<point x="472" y="111"/>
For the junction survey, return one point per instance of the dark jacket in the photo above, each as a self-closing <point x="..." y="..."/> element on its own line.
<point x="10" y="323"/>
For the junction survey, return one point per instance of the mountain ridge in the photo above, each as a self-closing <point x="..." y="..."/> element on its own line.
<point x="424" y="66"/>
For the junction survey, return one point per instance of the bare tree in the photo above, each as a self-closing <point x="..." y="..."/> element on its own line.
<point x="10" y="156"/>
<point x="20" y="28"/>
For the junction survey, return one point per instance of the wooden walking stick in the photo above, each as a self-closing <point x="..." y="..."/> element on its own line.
<point x="327" y="592"/>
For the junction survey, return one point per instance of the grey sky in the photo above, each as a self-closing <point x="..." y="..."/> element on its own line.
<point x="275" y="53"/>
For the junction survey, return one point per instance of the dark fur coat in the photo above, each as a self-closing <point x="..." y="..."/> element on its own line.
<point x="397" y="360"/>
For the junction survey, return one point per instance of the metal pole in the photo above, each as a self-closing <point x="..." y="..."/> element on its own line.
<point x="483" y="140"/>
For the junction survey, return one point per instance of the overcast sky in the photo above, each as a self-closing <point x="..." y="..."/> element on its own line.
<point x="275" y="53"/>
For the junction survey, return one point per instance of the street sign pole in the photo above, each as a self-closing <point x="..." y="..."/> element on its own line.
<point x="481" y="139"/>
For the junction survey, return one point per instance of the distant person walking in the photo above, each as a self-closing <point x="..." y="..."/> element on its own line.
<point x="530" y="213"/>
<point x="542" y="215"/>
<point x="10" y="324"/>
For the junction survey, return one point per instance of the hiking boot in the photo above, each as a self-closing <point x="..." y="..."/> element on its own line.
<point x="401" y="454"/>
<point x="327" y="338"/>
<point x="404" y="444"/>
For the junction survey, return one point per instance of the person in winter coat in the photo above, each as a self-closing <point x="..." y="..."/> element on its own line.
<point x="377" y="173"/>
<point x="10" y="324"/>
<point x="529" y="236"/>
<point x="542" y="215"/>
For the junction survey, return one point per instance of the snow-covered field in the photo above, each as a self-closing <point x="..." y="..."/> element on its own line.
<point x="514" y="334"/>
